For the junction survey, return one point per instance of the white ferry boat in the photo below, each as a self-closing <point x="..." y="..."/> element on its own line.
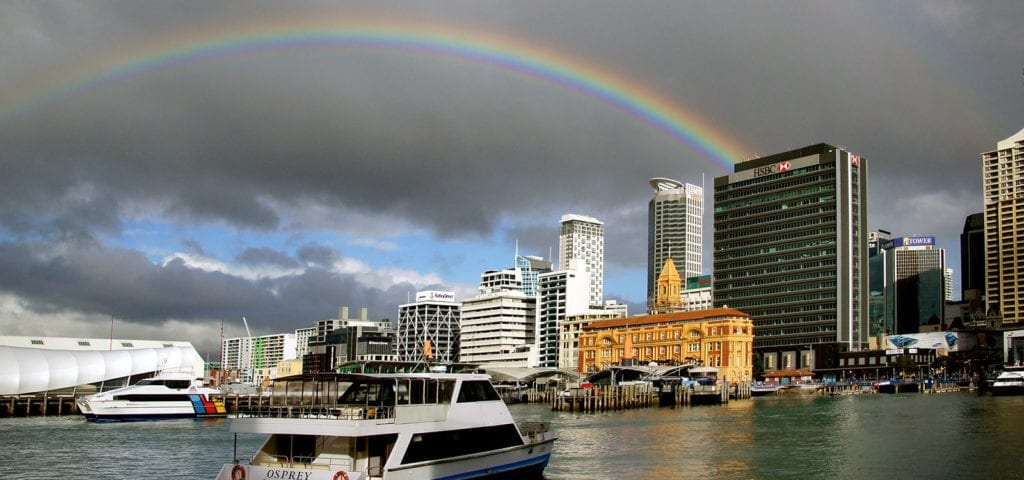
<point x="389" y="426"/>
<point x="1010" y="381"/>
<point x="164" y="396"/>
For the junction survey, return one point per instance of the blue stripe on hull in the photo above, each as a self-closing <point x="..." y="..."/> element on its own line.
<point x="530" y="468"/>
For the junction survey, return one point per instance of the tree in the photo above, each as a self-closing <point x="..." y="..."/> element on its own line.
<point x="906" y="364"/>
<point x="758" y="366"/>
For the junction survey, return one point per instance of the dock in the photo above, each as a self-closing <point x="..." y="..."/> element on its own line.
<point x="625" y="397"/>
<point x="58" y="404"/>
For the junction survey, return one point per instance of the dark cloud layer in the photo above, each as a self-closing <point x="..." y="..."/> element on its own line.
<point x="363" y="140"/>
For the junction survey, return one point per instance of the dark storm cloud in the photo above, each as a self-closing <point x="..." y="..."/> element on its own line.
<point x="255" y="139"/>
<point x="89" y="278"/>
<point x="265" y="256"/>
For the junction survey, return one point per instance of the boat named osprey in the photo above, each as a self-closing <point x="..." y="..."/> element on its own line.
<point x="389" y="426"/>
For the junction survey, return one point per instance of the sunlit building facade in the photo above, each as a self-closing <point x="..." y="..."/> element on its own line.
<point x="721" y="338"/>
<point x="1003" y="182"/>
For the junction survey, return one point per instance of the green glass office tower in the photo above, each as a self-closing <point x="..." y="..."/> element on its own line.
<point x="791" y="247"/>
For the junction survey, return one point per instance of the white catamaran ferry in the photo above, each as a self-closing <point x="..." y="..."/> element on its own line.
<point x="168" y="395"/>
<point x="389" y="426"/>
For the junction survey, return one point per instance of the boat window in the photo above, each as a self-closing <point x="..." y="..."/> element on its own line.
<point x="156" y="397"/>
<point x="373" y="393"/>
<point x="446" y="444"/>
<point x="178" y="384"/>
<point x="477" y="391"/>
<point x="445" y="389"/>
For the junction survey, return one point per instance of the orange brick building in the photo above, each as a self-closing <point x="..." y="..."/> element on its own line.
<point x="722" y="338"/>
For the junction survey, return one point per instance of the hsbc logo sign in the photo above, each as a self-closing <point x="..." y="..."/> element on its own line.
<point x="771" y="169"/>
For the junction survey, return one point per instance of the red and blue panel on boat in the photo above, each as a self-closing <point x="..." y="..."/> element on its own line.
<point x="202" y="404"/>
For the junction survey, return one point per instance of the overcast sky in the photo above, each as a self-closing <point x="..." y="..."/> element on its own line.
<point x="176" y="165"/>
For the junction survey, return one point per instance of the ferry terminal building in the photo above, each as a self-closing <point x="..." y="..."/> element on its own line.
<point x="721" y="338"/>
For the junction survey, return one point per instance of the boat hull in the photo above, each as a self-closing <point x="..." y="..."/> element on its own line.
<point x="524" y="462"/>
<point x="113" y="411"/>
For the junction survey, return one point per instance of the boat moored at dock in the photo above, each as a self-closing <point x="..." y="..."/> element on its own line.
<point x="1009" y="382"/>
<point x="168" y="395"/>
<point x="389" y="426"/>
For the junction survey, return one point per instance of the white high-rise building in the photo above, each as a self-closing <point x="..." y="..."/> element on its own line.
<point x="1003" y="182"/>
<point x="498" y="326"/>
<point x="949" y="284"/>
<point x="582" y="238"/>
<point x="434" y="317"/>
<point x="253" y="359"/>
<point x="675" y="229"/>
<point x="562" y="293"/>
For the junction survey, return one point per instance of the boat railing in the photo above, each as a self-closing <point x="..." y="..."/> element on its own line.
<point x="324" y="412"/>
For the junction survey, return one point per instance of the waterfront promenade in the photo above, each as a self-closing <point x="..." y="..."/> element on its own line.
<point x="600" y="399"/>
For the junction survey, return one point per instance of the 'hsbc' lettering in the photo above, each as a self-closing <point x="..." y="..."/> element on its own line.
<point x="762" y="171"/>
<point x="770" y="169"/>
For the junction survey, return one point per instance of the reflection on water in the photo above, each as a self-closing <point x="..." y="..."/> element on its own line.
<point x="953" y="435"/>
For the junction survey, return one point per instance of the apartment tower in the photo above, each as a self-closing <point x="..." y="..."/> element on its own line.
<point x="582" y="238"/>
<point x="675" y="230"/>
<point x="1003" y="181"/>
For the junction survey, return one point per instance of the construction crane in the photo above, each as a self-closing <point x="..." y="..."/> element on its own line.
<point x="247" y="332"/>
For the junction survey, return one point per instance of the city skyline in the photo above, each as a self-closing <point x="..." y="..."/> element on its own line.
<point x="174" y="168"/>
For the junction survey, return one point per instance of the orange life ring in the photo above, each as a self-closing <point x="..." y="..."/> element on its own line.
<point x="238" y="472"/>
<point x="341" y="475"/>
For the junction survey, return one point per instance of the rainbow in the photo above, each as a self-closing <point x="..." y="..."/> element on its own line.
<point x="512" y="54"/>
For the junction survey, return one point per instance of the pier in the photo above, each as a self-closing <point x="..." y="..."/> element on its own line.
<point x="59" y="404"/>
<point x="624" y="397"/>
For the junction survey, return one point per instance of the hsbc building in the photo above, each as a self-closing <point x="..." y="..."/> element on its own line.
<point x="790" y="250"/>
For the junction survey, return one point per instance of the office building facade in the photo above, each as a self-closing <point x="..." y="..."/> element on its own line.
<point x="876" y="283"/>
<point x="434" y="318"/>
<point x="1003" y="186"/>
<point x="582" y="238"/>
<point x="499" y="325"/>
<point x="675" y="229"/>
<point x="972" y="255"/>
<point x="915" y="289"/>
<point x="791" y="247"/>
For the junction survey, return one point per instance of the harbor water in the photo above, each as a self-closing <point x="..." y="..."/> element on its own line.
<point x="951" y="435"/>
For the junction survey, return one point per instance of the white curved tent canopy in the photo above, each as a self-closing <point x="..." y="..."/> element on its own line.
<point x="31" y="370"/>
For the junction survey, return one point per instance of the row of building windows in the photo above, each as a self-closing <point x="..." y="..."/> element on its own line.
<point x="757" y="235"/>
<point x="727" y="231"/>
<point x="748" y="201"/>
<point x="775" y="241"/>
<point x="771" y="249"/>
<point x="728" y="213"/>
<point x="750" y="262"/>
<point x="752" y="305"/>
<point x="780" y="279"/>
<point x="828" y="262"/>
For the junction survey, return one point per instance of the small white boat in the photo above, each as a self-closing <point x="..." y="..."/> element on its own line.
<point x="389" y="426"/>
<point x="1009" y="382"/>
<point x="168" y="395"/>
<point x="758" y="389"/>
